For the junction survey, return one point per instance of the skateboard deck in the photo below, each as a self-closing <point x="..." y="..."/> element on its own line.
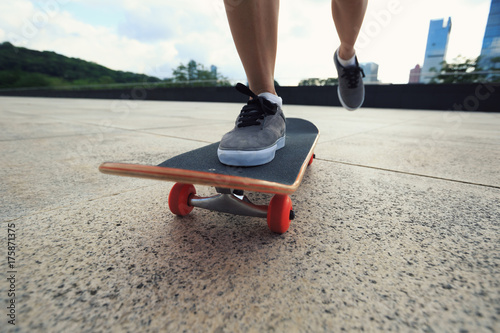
<point x="201" y="166"/>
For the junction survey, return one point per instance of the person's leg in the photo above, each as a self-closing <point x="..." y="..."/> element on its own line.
<point x="260" y="127"/>
<point x="254" y="26"/>
<point x="348" y="16"/>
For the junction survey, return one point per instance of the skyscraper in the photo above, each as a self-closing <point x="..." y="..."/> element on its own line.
<point x="415" y="74"/>
<point x="213" y="70"/>
<point x="491" y="40"/>
<point x="371" y="72"/>
<point x="437" y="45"/>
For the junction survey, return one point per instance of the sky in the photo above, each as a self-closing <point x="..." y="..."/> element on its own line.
<point x="156" y="36"/>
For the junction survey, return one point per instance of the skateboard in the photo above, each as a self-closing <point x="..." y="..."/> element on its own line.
<point x="281" y="177"/>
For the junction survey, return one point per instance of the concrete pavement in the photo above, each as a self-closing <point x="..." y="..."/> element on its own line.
<point x="397" y="225"/>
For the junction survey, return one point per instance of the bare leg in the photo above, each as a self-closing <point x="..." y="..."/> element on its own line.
<point x="254" y="26"/>
<point x="348" y="16"/>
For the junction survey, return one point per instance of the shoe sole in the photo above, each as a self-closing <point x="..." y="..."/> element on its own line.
<point x="349" y="108"/>
<point x="246" y="158"/>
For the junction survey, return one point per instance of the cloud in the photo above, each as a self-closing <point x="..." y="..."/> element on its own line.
<point x="197" y="31"/>
<point x="148" y="25"/>
<point x="61" y="32"/>
<point x="154" y="36"/>
<point x="307" y="40"/>
<point x="166" y="20"/>
<point x="104" y="46"/>
<point x="19" y="27"/>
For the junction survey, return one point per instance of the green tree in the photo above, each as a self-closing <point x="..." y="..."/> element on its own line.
<point x="492" y="66"/>
<point x="332" y="81"/>
<point x="310" y="82"/>
<point x="195" y="74"/>
<point x="319" y="82"/>
<point x="32" y="80"/>
<point x="180" y="73"/>
<point x="9" y="78"/>
<point x="22" y="67"/>
<point x="461" y="70"/>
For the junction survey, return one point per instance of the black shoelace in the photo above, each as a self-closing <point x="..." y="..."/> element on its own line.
<point x="256" y="110"/>
<point x="351" y="73"/>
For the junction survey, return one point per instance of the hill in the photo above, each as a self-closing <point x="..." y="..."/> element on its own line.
<point x="22" y="68"/>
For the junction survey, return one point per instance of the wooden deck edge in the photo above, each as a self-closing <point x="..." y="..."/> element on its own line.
<point x="195" y="177"/>
<point x="205" y="178"/>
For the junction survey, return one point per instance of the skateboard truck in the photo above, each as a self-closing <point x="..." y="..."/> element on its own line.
<point x="182" y="199"/>
<point x="229" y="201"/>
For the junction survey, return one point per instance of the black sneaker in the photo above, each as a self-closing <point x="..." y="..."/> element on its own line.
<point x="259" y="131"/>
<point x="351" y="89"/>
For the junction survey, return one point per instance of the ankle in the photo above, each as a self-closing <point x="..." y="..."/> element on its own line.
<point x="264" y="88"/>
<point x="346" y="61"/>
<point x="345" y="53"/>
<point x="273" y="98"/>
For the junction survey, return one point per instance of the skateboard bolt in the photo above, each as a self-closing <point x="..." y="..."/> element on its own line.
<point x="292" y="215"/>
<point x="238" y="192"/>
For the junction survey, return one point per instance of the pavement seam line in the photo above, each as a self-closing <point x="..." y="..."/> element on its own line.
<point x="139" y="130"/>
<point x="411" y="173"/>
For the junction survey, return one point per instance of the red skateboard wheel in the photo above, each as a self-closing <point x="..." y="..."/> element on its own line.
<point x="178" y="199"/>
<point x="279" y="213"/>
<point x="311" y="160"/>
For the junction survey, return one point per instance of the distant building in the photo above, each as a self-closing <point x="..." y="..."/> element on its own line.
<point x="491" y="40"/>
<point x="435" y="52"/>
<point x="213" y="70"/>
<point x="415" y="74"/>
<point x="371" y="72"/>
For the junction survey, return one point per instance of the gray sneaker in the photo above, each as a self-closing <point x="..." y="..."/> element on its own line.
<point x="259" y="131"/>
<point x="351" y="89"/>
